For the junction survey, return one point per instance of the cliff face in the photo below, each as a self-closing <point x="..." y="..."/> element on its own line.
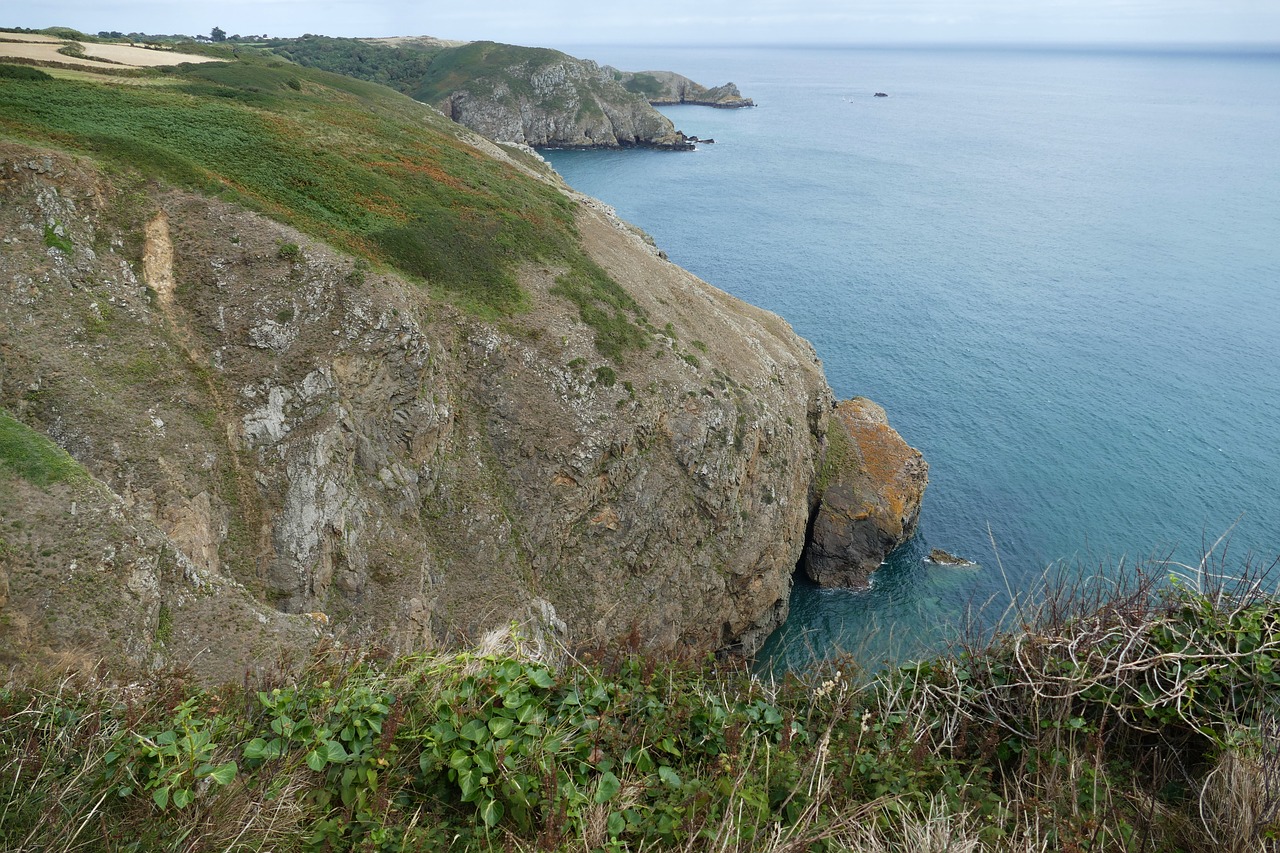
<point x="541" y="97"/>
<point x="665" y="88"/>
<point x="280" y="442"/>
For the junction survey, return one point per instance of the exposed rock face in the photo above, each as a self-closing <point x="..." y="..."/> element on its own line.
<point x="666" y="88"/>
<point x="540" y="97"/>
<point x="282" y="443"/>
<point x="871" y="489"/>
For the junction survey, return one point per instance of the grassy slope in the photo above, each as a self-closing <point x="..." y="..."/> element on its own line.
<point x="425" y="73"/>
<point x="476" y="66"/>
<point x="351" y="162"/>
<point x="400" y="68"/>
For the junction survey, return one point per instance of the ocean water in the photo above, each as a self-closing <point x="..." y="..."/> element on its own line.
<point x="1058" y="270"/>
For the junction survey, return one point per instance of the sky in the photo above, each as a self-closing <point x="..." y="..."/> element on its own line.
<point x="552" y="23"/>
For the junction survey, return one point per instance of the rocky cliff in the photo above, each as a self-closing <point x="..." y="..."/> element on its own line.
<point x="666" y="88"/>
<point x="542" y="97"/>
<point x="279" y="442"/>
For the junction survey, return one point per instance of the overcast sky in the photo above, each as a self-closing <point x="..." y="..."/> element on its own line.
<point x="567" y="22"/>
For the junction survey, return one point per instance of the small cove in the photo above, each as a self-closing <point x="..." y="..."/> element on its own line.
<point x="1057" y="270"/>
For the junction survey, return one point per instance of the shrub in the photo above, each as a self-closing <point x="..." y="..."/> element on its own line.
<point x="22" y="72"/>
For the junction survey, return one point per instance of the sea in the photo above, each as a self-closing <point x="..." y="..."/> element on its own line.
<point x="1058" y="269"/>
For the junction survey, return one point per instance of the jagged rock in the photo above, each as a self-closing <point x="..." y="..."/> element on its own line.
<point x="869" y="498"/>
<point x="666" y="88"/>
<point x="944" y="558"/>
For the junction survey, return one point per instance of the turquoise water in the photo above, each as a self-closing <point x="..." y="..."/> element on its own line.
<point x="1059" y="271"/>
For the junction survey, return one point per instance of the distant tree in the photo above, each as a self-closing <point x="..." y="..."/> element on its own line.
<point x="218" y="34"/>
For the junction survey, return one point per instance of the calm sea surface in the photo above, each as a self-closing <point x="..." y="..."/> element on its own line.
<point x="1059" y="271"/>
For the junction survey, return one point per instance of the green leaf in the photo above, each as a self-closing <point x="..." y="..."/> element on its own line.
<point x="460" y="760"/>
<point x="485" y="761"/>
<point x="161" y="797"/>
<point x="335" y="752"/>
<point x="476" y="731"/>
<point x="316" y="760"/>
<point x="255" y="749"/>
<point x="542" y="678"/>
<point x="609" y="785"/>
<point x="615" y="824"/>
<point x="224" y="773"/>
<point x="501" y="726"/>
<point x="491" y="812"/>
<point x="669" y="776"/>
<point x="469" y="783"/>
<point x="183" y="797"/>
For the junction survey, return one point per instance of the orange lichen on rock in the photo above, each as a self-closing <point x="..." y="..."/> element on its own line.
<point x="870" y="493"/>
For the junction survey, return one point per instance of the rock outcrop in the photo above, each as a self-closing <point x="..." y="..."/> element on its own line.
<point x="541" y="97"/>
<point x="282" y="443"/>
<point x="666" y="88"/>
<point x="870" y="491"/>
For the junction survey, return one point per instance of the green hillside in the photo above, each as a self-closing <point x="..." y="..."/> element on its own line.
<point x="350" y="162"/>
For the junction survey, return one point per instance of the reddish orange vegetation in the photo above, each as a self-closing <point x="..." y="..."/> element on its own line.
<point x="383" y="205"/>
<point x="421" y="167"/>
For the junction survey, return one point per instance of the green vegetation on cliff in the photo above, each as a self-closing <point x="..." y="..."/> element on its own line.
<point x="1143" y="721"/>
<point x="33" y="457"/>
<point x="400" y="68"/>
<point x="350" y="162"/>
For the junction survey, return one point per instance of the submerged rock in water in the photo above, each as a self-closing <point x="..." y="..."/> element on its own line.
<point x="869" y="497"/>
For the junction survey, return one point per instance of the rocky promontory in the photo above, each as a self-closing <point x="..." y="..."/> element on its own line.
<point x="870" y="490"/>
<point x="666" y="88"/>
<point x="543" y="98"/>
<point x="509" y="93"/>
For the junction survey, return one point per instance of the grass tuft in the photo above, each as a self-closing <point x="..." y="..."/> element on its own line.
<point x="33" y="457"/>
